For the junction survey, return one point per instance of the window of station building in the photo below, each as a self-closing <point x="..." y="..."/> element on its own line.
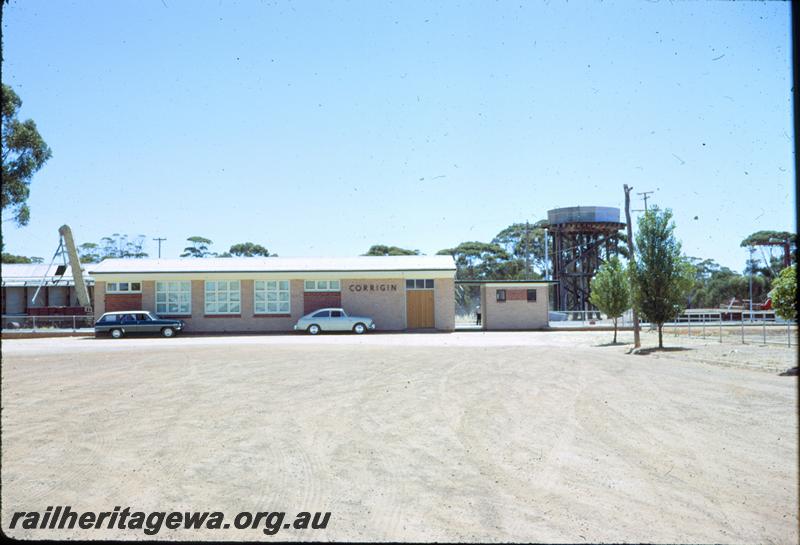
<point x="174" y="297"/>
<point x="419" y="284"/>
<point x="124" y="287"/>
<point x="323" y="285"/>
<point x="532" y="296"/>
<point x="223" y="297"/>
<point x="501" y="296"/>
<point x="272" y="297"/>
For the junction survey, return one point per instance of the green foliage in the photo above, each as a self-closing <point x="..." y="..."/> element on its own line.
<point x="524" y="243"/>
<point x="661" y="277"/>
<point x="119" y="246"/>
<point x="381" y="249"/>
<point x="515" y="253"/>
<point x="715" y="286"/>
<point x="772" y="240"/>
<point x="784" y="294"/>
<point x="199" y="247"/>
<point x="11" y="258"/>
<point x="479" y="260"/>
<point x="246" y="249"/>
<point x="114" y="246"/>
<point x="24" y="153"/>
<point x="769" y="237"/>
<point x="89" y="252"/>
<point x="610" y="291"/>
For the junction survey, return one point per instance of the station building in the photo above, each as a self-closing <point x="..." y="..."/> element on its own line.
<point x="253" y="294"/>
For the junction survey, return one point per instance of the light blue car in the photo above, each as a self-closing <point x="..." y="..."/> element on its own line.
<point x="333" y="319"/>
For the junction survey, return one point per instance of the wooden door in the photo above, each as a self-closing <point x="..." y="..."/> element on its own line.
<point x="419" y="309"/>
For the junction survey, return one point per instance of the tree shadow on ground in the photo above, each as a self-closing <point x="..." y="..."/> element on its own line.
<point x="610" y="344"/>
<point x="789" y="373"/>
<point x="648" y="351"/>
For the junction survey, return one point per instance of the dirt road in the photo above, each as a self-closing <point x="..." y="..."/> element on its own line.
<point x="491" y="437"/>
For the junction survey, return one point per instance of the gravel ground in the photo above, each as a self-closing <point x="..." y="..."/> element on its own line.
<point x="441" y="437"/>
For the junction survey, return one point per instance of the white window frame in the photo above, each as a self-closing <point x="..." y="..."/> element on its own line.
<point x="168" y="284"/>
<point x="313" y="285"/>
<point x="217" y="292"/>
<point x="424" y="281"/>
<point x="265" y="287"/>
<point x="114" y="287"/>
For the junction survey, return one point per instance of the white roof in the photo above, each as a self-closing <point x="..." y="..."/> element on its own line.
<point x="275" y="264"/>
<point x="30" y="274"/>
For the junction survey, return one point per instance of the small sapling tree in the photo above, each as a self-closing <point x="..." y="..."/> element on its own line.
<point x="610" y="291"/>
<point x="784" y="293"/>
<point x="662" y="278"/>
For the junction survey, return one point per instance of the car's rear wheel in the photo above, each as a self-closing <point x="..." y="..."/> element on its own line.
<point x="116" y="333"/>
<point x="314" y="329"/>
<point x="168" y="332"/>
<point x="359" y="328"/>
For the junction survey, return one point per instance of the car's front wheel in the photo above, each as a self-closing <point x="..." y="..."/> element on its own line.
<point x="359" y="328"/>
<point x="168" y="332"/>
<point x="314" y="329"/>
<point x="116" y="333"/>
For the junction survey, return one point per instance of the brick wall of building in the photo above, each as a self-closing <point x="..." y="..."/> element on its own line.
<point x="444" y="306"/>
<point x="382" y="300"/>
<point x="313" y="300"/>
<point x="246" y="320"/>
<point x="116" y="302"/>
<point x="516" y="312"/>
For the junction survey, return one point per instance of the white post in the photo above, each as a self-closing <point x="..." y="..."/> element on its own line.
<point x="720" y="327"/>
<point x="742" y="326"/>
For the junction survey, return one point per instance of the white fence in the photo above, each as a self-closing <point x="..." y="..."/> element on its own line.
<point x="20" y="323"/>
<point x="586" y="318"/>
<point x="756" y="327"/>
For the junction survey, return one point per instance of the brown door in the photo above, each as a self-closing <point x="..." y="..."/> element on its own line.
<point x="419" y="309"/>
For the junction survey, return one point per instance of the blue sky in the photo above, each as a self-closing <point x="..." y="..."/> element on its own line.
<point x="319" y="128"/>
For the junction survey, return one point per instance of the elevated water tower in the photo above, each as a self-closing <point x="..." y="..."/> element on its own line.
<point x="584" y="237"/>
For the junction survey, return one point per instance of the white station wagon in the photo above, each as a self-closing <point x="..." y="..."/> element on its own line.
<point x="333" y="319"/>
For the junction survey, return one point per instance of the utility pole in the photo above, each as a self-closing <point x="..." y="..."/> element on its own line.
<point x="527" y="254"/>
<point x="644" y="195"/>
<point x="546" y="257"/>
<point x="752" y="250"/>
<point x="159" y="245"/>
<point x="631" y="261"/>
